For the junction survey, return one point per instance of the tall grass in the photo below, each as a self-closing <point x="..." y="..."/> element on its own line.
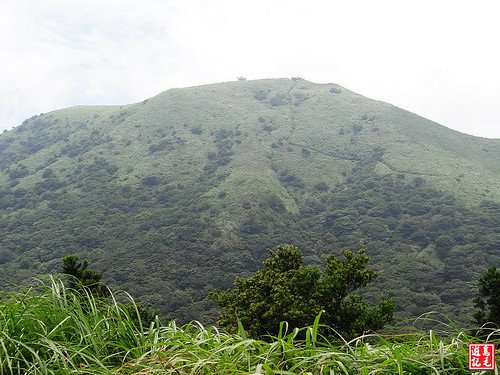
<point x="51" y="330"/>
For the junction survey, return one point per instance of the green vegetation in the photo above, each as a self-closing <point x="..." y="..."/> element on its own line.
<point x="83" y="278"/>
<point x="286" y="290"/>
<point x="488" y="304"/>
<point x="178" y="195"/>
<point x="45" y="330"/>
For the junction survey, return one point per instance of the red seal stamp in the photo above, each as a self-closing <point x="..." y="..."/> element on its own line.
<point x="482" y="357"/>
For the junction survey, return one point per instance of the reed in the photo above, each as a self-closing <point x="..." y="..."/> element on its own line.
<point x="50" y="329"/>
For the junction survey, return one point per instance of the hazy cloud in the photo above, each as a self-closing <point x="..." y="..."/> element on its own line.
<point x="438" y="59"/>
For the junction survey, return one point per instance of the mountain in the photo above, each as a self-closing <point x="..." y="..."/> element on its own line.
<point x="179" y="194"/>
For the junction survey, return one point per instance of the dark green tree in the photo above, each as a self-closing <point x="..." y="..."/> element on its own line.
<point x="286" y="290"/>
<point x="346" y="312"/>
<point x="81" y="277"/>
<point x="488" y="303"/>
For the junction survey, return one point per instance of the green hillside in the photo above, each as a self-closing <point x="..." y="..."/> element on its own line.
<point x="177" y="195"/>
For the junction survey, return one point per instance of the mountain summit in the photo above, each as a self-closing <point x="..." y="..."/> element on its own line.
<point x="179" y="194"/>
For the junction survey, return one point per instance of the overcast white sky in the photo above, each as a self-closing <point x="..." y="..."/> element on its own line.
<point x="437" y="58"/>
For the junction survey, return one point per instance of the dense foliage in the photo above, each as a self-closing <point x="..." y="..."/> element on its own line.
<point x="488" y="303"/>
<point x="286" y="290"/>
<point x="82" y="278"/>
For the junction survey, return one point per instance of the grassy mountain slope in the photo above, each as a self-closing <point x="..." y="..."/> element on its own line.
<point x="178" y="194"/>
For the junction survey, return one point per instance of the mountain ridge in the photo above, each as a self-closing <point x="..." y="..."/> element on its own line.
<point x="195" y="183"/>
